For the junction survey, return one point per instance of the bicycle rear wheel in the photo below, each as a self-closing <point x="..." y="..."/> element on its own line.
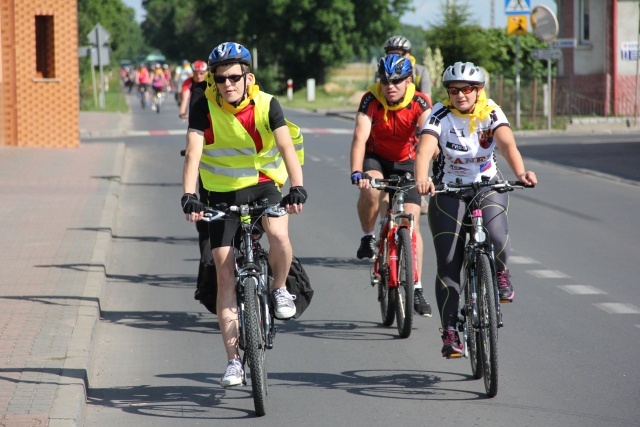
<point x="387" y="298"/>
<point x="473" y="334"/>
<point x="404" y="301"/>
<point x="488" y="324"/>
<point x="256" y="345"/>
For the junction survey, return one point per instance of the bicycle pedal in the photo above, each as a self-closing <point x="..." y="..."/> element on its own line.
<point x="506" y="301"/>
<point x="454" y="356"/>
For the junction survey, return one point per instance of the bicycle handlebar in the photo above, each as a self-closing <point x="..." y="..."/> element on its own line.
<point x="499" y="185"/>
<point x="257" y="210"/>
<point x="394" y="182"/>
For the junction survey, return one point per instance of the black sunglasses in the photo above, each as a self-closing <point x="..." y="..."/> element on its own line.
<point x="466" y="90"/>
<point x="394" y="82"/>
<point x="232" y="79"/>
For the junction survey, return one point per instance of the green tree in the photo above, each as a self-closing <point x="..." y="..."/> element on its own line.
<point x="457" y="36"/>
<point x="295" y="39"/>
<point x="119" y="20"/>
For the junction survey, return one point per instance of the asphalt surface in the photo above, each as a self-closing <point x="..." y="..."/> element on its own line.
<point x="57" y="220"/>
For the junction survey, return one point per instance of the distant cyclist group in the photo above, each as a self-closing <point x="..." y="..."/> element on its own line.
<point x="240" y="150"/>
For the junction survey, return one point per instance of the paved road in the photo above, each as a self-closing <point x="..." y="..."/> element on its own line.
<point x="564" y="351"/>
<point x="571" y="363"/>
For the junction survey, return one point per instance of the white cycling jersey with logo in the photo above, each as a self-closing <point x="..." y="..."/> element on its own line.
<point x="464" y="155"/>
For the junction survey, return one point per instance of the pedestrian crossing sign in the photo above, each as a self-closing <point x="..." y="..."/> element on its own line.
<point x="517" y="25"/>
<point x="517" y="7"/>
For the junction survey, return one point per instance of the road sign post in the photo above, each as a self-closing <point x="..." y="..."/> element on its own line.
<point x="98" y="36"/>
<point x="517" y="11"/>
<point x="545" y="27"/>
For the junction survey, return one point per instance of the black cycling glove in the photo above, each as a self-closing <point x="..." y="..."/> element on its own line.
<point x="296" y="196"/>
<point x="357" y="176"/>
<point x="190" y="203"/>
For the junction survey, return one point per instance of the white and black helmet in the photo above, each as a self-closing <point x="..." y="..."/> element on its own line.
<point x="463" y="72"/>
<point x="397" y="43"/>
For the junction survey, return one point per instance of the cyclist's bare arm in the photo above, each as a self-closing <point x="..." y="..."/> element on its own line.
<point x="358" y="144"/>
<point x="186" y="95"/>
<point x="291" y="162"/>
<point x="427" y="150"/>
<point x="193" y="152"/>
<point x="506" y="142"/>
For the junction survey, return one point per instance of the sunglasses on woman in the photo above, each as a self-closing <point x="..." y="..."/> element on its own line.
<point x="232" y="79"/>
<point x="465" y="90"/>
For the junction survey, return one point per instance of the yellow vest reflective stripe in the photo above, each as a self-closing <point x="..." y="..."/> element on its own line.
<point x="231" y="162"/>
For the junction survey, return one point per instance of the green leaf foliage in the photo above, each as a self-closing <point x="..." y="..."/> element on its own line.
<point x="119" y="20"/>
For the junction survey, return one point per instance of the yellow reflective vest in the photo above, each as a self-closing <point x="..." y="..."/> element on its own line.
<point x="232" y="162"/>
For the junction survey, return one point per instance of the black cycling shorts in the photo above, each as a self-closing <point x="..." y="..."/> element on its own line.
<point x="388" y="168"/>
<point x="222" y="233"/>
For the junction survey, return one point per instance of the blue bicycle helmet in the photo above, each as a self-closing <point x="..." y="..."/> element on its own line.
<point x="394" y="66"/>
<point x="229" y="52"/>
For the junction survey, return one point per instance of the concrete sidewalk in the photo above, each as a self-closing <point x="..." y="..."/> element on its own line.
<point x="58" y="206"/>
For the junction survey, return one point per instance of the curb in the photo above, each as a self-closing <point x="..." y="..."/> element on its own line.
<point x="71" y="394"/>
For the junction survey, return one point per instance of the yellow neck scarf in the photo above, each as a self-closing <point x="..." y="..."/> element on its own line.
<point x="481" y="110"/>
<point x="215" y="97"/>
<point x="376" y="90"/>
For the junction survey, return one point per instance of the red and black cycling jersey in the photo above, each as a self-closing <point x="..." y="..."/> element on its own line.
<point x="395" y="138"/>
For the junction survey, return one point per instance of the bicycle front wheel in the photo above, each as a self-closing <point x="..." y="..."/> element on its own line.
<point x="404" y="300"/>
<point x="488" y="324"/>
<point x="255" y="345"/>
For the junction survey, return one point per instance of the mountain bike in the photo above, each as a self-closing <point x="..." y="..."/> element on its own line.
<point x="480" y="314"/>
<point x="158" y="97"/>
<point x="256" y="328"/>
<point x="395" y="269"/>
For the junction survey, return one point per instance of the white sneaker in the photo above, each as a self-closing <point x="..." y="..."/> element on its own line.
<point x="284" y="306"/>
<point x="233" y="375"/>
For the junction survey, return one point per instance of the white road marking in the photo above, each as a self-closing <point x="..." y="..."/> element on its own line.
<point x="581" y="290"/>
<point x="618" y="308"/>
<point x="522" y="260"/>
<point x="547" y="274"/>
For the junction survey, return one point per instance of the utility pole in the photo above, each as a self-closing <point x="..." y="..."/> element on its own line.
<point x="493" y="13"/>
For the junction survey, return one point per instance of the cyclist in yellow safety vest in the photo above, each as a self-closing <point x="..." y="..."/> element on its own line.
<point x="244" y="150"/>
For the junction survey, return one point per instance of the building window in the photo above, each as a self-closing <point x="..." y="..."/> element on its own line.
<point x="45" y="55"/>
<point x="584" y="22"/>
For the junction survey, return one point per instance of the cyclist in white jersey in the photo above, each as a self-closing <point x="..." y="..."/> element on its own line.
<point x="466" y="128"/>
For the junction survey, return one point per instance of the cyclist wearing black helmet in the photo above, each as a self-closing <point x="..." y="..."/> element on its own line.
<point x="245" y="150"/>
<point x="466" y="128"/>
<point x="384" y="142"/>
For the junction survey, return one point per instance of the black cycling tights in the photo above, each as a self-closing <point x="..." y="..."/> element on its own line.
<point x="446" y="214"/>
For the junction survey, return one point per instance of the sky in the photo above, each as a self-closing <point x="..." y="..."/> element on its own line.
<point x="429" y="11"/>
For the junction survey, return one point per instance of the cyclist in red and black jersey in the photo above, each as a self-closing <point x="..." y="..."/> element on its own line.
<point x="384" y="143"/>
<point x="199" y="73"/>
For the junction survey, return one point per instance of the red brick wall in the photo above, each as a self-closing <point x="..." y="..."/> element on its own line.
<point x="39" y="112"/>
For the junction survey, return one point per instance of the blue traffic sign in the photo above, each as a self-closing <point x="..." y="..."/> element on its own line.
<point x="517" y="7"/>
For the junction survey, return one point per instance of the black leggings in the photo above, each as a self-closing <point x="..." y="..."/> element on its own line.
<point x="446" y="215"/>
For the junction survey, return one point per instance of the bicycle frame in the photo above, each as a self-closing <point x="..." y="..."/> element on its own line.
<point x="387" y="257"/>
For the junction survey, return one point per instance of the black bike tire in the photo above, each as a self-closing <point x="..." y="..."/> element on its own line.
<point x="404" y="300"/>
<point x="489" y="324"/>
<point x="255" y="345"/>
<point x="473" y="335"/>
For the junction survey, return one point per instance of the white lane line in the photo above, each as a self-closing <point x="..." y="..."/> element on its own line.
<point x="581" y="290"/>
<point x="637" y="326"/>
<point x="522" y="260"/>
<point x="618" y="308"/>
<point x="312" y="158"/>
<point x="548" y="274"/>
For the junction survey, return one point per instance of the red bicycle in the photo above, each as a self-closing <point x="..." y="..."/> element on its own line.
<point x="395" y="267"/>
